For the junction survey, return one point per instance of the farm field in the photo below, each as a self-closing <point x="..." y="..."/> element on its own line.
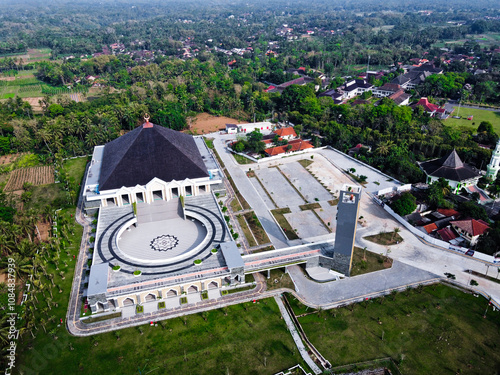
<point x="207" y="123"/>
<point x="32" y="55"/>
<point x="35" y="176"/>
<point x="27" y="86"/>
<point x="479" y="115"/>
<point x="486" y="39"/>
<point x="7" y="159"/>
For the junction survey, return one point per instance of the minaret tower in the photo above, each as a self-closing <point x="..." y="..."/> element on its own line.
<point x="494" y="166"/>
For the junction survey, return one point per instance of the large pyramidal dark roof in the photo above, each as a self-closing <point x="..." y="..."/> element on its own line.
<point x="449" y="167"/>
<point x="147" y="152"/>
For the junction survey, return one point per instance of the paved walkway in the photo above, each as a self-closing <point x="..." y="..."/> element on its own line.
<point x="416" y="253"/>
<point x="250" y="194"/>
<point x="296" y="337"/>
<point x="370" y="285"/>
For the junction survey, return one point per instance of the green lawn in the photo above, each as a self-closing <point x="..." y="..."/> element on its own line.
<point x="251" y="339"/>
<point x="76" y="168"/>
<point x="242" y="160"/>
<point x="50" y="194"/>
<point x="374" y="262"/>
<point x="479" y="115"/>
<point x="434" y="330"/>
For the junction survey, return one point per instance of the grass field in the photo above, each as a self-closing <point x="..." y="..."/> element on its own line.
<point x="479" y="115"/>
<point x="385" y="238"/>
<point x="242" y="160"/>
<point x="433" y="330"/>
<point x="33" y="54"/>
<point x="75" y="168"/>
<point x="374" y="262"/>
<point x="251" y="339"/>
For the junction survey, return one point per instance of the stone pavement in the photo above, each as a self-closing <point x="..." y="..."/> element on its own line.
<point x="343" y="162"/>
<point x="416" y="253"/>
<point x="370" y="285"/>
<point x="250" y="194"/>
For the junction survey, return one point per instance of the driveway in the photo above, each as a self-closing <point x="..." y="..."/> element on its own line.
<point x="367" y="285"/>
<point x="250" y="193"/>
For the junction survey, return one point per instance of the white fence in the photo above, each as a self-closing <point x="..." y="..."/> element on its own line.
<point x="399" y="189"/>
<point x="268" y="158"/>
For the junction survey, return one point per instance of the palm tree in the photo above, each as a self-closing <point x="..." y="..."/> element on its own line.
<point x="383" y="148"/>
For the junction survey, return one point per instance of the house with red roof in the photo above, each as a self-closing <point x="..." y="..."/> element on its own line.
<point x="292" y="146"/>
<point x="447" y="234"/>
<point x="470" y="229"/>
<point x="287" y="133"/>
<point x="429" y="228"/>
<point x="430" y="108"/>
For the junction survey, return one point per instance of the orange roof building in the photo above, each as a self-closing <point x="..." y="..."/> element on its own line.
<point x="286" y="133"/>
<point x="296" y="145"/>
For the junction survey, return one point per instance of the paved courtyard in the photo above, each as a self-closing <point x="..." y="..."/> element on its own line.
<point x="375" y="180"/>
<point x="278" y="187"/>
<point x="165" y="240"/>
<point x="306" y="224"/>
<point x="308" y="186"/>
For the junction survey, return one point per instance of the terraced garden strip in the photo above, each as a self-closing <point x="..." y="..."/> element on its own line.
<point x="279" y="215"/>
<point x="333" y="202"/>
<point x="305" y="163"/>
<point x="309" y="206"/>
<point x="246" y="231"/>
<point x="256" y="228"/>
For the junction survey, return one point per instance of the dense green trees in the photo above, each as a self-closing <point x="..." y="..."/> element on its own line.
<point x="405" y="204"/>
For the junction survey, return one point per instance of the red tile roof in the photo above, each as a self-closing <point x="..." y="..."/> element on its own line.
<point x="430" y="228"/>
<point x="447" y="234"/>
<point x="472" y="226"/>
<point x="297" y="145"/>
<point x="283" y="132"/>
<point x="448" y="212"/>
<point x="428" y="107"/>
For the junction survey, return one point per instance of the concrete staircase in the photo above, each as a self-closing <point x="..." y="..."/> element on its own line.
<point x="158" y="210"/>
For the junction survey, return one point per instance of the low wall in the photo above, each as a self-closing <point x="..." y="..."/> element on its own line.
<point x="364" y="164"/>
<point x="268" y="158"/>
<point x="434" y="241"/>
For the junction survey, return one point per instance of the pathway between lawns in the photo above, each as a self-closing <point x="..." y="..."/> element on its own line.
<point x="296" y="337"/>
